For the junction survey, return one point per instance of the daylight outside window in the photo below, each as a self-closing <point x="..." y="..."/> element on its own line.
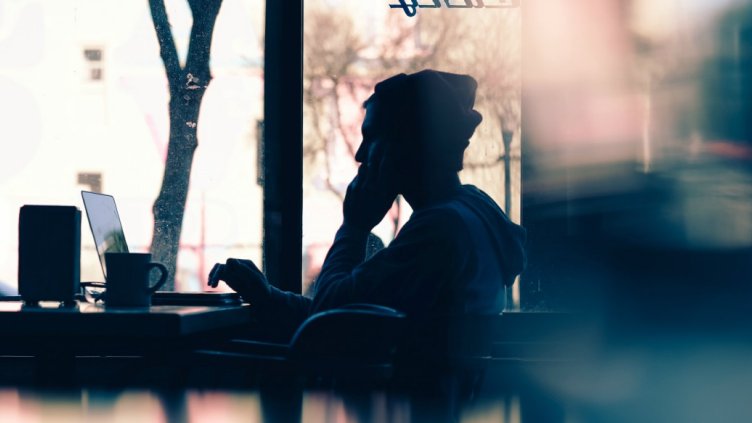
<point x="607" y="123"/>
<point x="85" y="107"/>
<point x="349" y="47"/>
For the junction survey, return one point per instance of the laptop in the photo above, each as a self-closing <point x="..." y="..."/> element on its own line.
<point x="107" y="231"/>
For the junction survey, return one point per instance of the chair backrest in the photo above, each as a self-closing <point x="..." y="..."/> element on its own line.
<point x="362" y="333"/>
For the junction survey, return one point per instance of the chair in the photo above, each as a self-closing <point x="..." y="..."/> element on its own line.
<point x="357" y="340"/>
<point x="353" y="343"/>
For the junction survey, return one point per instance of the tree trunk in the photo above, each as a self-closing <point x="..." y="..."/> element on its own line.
<point x="169" y="207"/>
<point x="187" y="86"/>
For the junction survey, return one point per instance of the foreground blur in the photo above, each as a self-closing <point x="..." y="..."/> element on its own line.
<point x="637" y="161"/>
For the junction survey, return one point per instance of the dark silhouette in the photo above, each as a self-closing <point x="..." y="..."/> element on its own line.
<point x="458" y="250"/>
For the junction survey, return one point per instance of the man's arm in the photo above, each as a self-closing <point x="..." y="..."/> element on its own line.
<point x="407" y="275"/>
<point x="269" y="302"/>
<point x="369" y="197"/>
<point x="334" y="285"/>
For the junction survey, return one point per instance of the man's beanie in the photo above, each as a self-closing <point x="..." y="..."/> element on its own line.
<point x="431" y="111"/>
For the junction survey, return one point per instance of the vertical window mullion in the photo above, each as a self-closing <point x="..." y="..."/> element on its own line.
<point x="283" y="143"/>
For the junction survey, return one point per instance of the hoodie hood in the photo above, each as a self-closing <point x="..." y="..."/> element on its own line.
<point x="508" y="238"/>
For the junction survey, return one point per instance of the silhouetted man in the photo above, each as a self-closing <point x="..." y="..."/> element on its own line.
<point x="458" y="250"/>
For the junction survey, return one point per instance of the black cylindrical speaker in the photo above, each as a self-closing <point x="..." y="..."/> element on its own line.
<point x="49" y="253"/>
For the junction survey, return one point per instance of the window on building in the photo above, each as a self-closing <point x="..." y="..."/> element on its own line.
<point x="93" y="54"/>
<point x="94" y="63"/>
<point x="91" y="181"/>
<point x="95" y="74"/>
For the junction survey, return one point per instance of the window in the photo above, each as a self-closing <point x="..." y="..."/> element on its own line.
<point x="93" y="54"/>
<point x="634" y="132"/>
<point x="349" y="47"/>
<point x="56" y="127"/>
<point x="95" y="74"/>
<point x="91" y="181"/>
<point x="94" y="63"/>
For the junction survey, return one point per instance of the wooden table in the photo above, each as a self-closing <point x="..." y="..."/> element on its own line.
<point x="56" y="336"/>
<point x="92" y="320"/>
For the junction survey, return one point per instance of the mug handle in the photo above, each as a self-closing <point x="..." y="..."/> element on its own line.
<point x="162" y="279"/>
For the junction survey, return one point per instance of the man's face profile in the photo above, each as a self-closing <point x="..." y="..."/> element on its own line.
<point x="379" y="151"/>
<point x="373" y="148"/>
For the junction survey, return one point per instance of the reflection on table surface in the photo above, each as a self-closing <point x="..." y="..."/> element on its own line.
<point x="126" y="406"/>
<point x="147" y="406"/>
<point x="670" y="381"/>
<point x="89" y="308"/>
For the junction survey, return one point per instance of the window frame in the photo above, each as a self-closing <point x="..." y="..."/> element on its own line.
<point x="283" y="144"/>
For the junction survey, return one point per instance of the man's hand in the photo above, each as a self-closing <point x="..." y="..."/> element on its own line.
<point x="369" y="196"/>
<point x="242" y="276"/>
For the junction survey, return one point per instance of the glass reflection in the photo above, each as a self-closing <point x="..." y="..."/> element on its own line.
<point x="150" y="406"/>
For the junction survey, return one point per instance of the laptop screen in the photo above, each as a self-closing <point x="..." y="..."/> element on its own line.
<point x="105" y="224"/>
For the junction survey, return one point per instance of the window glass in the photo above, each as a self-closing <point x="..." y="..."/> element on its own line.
<point x="635" y="130"/>
<point x="350" y="46"/>
<point x="85" y="106"/>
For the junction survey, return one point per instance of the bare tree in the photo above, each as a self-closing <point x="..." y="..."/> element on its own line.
<point x="187" y="85"/>
<point x="482" y="43"/>
<point x="342" y="65"/>
<point x="497" y="68"/>
<point x="332" y="47"/>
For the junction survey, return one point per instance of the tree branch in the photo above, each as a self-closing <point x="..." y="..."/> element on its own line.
<point x="205" y="14"/>
<point x="312" y="100"/>
<point x="338" y="114"/>
<point x="167" y="49"/>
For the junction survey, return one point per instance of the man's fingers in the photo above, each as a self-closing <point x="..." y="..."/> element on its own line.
<point x="241" y="265"/>
<point x="236" y="278"/>
<point x="215" y="275"/>
<point x="233" y="263"/>
<point x="245" y="278"/>
<point x="232" y="272"/>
